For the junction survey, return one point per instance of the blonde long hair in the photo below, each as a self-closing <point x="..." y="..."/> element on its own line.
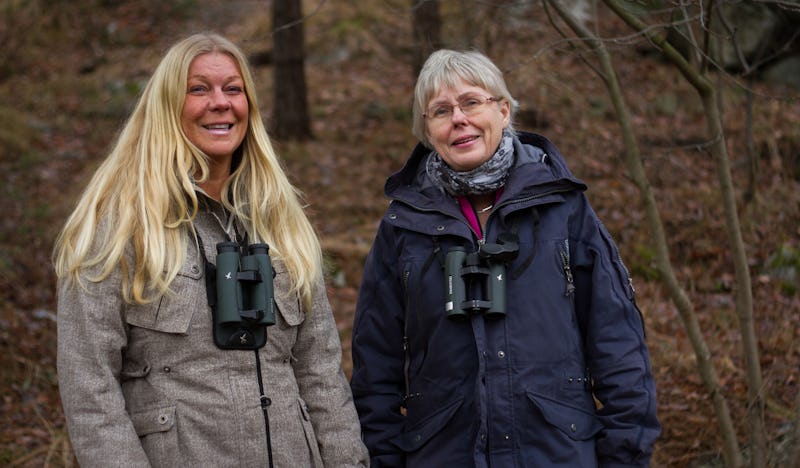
<point x="136" y="213"/>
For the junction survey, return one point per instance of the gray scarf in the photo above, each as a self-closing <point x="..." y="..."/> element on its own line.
<point x="486" y="178"/>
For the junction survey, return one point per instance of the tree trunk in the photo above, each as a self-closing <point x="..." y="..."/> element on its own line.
<point x="744" y="294"/>
<point x="427" y="29"/>
<point x="633" y="163"/>
<point x="290" y="112"/>
<point x="750" y="193"/>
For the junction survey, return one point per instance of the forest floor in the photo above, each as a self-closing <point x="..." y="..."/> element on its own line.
<point x="72" y="73"/>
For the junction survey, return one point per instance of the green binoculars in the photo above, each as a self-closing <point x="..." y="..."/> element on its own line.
<point x="476" y="281"/>
<point x="245" y="303"/>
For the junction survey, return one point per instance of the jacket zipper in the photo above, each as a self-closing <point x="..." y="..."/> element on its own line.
<point x="627" y="274"/>
<point x="406" y="352"/>
<point x="570" y="290"/>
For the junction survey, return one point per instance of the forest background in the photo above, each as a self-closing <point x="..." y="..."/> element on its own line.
<point x="70" y="72"/>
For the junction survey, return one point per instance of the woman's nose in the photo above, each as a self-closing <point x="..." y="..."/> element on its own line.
<point x="219" y="100"/>
<point x="458" y="115"/>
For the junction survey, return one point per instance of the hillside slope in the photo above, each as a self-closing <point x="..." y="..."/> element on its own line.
<point x="68" y="85"/>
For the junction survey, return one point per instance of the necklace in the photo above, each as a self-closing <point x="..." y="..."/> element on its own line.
<point x="227" y="229"/>
<point x="484" y="210"/>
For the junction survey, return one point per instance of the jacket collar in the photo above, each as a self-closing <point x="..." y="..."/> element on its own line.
<point x="539" y="169"/>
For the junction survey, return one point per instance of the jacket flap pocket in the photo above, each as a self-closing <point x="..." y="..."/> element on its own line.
<point x="191" y="269"/>
<point x="166" y="315"/>
<point x="153" y="420"/>
<point x="289" y="309"/>
<point x="415" y="437"/>
<point x="173" y="311"/>
<point x="288" y="304"/>
<point x="576" y="423"/>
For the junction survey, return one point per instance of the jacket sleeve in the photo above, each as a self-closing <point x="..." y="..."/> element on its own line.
<point x="91" y="340"/>
<point x="323" y="386"/>
<point x="614" y="343"/>
<point x="378" y="356"/>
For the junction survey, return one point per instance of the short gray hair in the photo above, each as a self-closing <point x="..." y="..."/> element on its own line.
<point x="443" y="69"/>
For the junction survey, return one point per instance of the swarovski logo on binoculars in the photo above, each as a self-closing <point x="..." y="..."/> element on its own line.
<point x="476" y="281"/>
<point x="244" y="339"/>
<point x="245" y="300"/>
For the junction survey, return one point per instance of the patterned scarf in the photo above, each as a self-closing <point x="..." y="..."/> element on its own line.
<point x="486" y="178"/>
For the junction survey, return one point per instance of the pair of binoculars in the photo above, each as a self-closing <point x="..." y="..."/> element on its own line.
<point x="476" y="281"/>
<point x="245" y="303"/>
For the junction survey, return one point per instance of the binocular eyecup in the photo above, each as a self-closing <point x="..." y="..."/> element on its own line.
<point x="475" y="282"/>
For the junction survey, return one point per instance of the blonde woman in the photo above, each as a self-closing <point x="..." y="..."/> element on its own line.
<point x="149" y="373"/>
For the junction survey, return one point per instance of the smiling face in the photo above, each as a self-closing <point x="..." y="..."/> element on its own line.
<point x="466" y="142"/>
<point x="215" y="112"/>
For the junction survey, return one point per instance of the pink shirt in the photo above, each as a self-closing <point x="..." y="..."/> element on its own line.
<point x="469" y="212"/>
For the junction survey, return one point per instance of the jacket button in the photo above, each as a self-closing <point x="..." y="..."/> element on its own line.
<point x="195" y="269"/>
<point x="392" y="216"/>
<point x="573" y="427"/>
<point x="501" y="354"/>
<point x="167" y="369"/>
<point x="440" y="228"/>
<point x="417" y="438"/>
<point x="163" y="419"/>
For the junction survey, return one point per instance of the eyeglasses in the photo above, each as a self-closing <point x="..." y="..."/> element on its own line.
<point x="469" y="105"/>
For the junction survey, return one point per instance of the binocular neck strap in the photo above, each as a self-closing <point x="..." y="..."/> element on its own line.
<point x="265" y="403"/>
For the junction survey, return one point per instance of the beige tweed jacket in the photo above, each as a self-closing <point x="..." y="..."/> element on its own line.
<point x="144" y="385"/>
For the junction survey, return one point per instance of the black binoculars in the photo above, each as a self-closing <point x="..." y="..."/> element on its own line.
<point x="245" y="303"/>
<point x="476" y="282"/>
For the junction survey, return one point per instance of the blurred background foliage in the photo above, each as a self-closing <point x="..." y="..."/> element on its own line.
<point x="70" y="72"/>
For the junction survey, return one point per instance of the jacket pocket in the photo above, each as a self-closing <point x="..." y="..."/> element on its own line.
<point x="620" y="269"/>
<point x="158" y="435"/>
<point x="288" y="304"/>
<point x="574" y="422"/>
<point x="311" y="438"/>
<point x="419" y="434"/>
<point x="172" y="312"/>
<point x="153" y="420"/>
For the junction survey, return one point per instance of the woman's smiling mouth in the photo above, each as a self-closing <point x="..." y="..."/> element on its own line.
<point x="463" y="140"/>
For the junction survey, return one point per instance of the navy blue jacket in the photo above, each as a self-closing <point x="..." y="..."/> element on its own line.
<point x="563" y="379"/>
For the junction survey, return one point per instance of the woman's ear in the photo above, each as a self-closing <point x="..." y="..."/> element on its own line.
<point x="427" y="141"/>
<point x="505" y="109"/>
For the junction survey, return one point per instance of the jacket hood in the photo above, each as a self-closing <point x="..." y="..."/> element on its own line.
<point x="528" y="177"/>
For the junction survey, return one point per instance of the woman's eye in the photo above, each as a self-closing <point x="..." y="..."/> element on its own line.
<point x="441" y="111"/>
<point x="196" y="89"/>
<point x="469" y="103"/>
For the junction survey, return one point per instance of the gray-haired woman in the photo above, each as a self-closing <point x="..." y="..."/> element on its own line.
<point x="496" y="324"/>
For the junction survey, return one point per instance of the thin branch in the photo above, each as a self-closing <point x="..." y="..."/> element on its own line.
<point x="299" y="21"/>
<point x="572" y="42"/>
